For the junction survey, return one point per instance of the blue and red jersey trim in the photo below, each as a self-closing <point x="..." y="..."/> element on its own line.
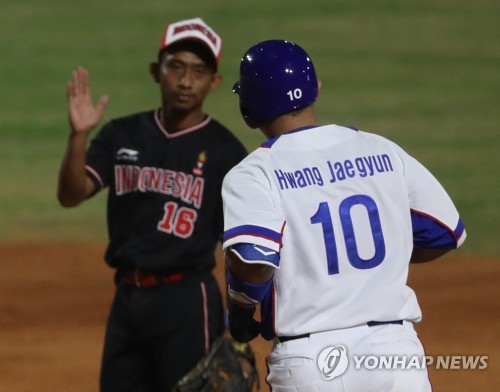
<point x="429" y="232"/>
<point x="270" y="142"/>
<point x="252" y="230"/>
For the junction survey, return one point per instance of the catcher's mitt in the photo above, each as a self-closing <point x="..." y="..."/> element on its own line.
<point x="229" y="366"/>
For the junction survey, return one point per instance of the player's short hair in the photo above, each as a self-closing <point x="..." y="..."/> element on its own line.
<point x="195" y="47"/>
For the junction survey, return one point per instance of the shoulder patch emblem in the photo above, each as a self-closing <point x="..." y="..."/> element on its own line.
<point x="198" y="169"/>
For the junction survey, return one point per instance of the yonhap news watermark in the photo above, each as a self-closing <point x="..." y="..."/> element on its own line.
<point x="439" y="362"/>
<point x="334" y="361"/>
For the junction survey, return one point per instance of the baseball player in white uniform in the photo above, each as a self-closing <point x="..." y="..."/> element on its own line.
<point x="321" y="223"/>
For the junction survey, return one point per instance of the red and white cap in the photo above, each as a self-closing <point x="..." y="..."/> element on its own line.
<point x="193" y="29"/>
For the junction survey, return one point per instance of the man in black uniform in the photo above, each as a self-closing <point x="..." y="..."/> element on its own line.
<point x="164" y="169"/>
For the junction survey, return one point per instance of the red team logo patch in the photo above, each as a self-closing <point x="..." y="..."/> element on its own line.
<point x="196" y="27"/>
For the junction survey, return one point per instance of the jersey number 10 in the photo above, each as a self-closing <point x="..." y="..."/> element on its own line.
<point x="324" y="217"/>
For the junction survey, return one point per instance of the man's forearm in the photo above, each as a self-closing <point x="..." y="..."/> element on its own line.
<point x="73" y="185"/>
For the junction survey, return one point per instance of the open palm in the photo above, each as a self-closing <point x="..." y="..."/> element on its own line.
<point x="83" y="114"/>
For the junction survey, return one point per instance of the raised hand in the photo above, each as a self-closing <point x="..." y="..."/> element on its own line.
<point x="83" y="115"/>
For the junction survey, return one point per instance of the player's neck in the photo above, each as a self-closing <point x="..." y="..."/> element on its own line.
<point x="176" y="121"/>
<point x="289" y="122"/>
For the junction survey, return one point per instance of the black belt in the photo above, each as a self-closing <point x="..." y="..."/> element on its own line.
<point x="375" y="323"/>
<point x="283" y="339"/>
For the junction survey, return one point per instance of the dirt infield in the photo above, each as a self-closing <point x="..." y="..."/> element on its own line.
<point x="54" y="301"/>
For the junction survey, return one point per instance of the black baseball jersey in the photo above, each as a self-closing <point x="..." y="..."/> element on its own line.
<point x="164" y="201"/>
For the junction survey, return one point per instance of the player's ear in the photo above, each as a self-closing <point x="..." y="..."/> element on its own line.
<point x="216" y="81"/>
<point x="154" y="70"/>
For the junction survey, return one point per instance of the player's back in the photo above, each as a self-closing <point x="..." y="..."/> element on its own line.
<point x="347" y="240"/>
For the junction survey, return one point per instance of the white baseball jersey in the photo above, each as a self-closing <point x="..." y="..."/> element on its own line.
<point x="344" y="208"/>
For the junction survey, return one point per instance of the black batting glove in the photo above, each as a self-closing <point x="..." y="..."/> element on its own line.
<point x="240" y="323"/>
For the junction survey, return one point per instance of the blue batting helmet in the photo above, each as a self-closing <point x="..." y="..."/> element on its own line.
<point x="276" y="77"/>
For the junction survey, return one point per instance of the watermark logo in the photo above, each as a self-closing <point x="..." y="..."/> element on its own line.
<point x="438" y="362"/>
<point x="389" y="362"/>
<point x="333" y="362"/>
<point x="457" y="362"/>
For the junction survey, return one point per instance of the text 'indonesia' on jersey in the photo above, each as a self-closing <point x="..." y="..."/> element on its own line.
<point x="187" y="187"/>
<point x="365" y="166"/>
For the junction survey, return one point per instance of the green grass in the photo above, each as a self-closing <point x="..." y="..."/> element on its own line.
<point x="425" y="74"/>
